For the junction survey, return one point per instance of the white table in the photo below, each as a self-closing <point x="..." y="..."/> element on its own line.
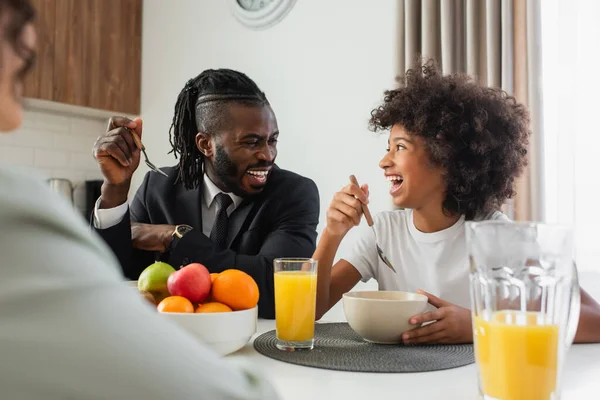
<point x="294" y="382"/>
<point x="581" y="379"/>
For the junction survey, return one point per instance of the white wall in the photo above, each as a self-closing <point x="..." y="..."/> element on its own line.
<point x="323" y="68"/>
<point x="55" y="145"/>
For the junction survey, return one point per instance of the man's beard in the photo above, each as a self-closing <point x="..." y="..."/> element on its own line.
<point x="226" y="171"/>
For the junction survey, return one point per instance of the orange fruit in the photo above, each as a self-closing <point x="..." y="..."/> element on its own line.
<point x="175" y="304"/>
<point x="236" y="289"/>
<point x="213" y="276"/>
<point x="213" y="307"/>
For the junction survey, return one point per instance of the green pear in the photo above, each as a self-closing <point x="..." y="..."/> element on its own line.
<point x="154" y="279"/>
<point x="149" y="297"/>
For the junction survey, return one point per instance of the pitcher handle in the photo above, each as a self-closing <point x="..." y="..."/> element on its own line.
<point x="574" y="308"/>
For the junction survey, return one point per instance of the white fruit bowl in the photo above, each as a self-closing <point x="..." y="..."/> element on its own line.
<point x="382" y="316"/>
<point x="225" y="332"/>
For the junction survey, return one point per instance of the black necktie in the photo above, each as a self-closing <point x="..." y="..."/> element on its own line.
<point x="218" y="234"/>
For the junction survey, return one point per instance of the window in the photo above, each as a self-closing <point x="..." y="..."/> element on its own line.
<point x="571" y="121"/>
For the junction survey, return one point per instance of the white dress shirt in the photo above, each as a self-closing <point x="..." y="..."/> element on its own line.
<point x="106" y="217"/>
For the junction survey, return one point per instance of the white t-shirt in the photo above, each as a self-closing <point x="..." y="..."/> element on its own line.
<point x="435" y="262"/>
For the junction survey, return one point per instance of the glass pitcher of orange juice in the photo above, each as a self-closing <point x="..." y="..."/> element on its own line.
<point x="525" y="304"/>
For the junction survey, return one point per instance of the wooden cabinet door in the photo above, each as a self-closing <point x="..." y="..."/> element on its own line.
<point x="69" y="63"/>
<point x="39" y="83"/>
<point x="130" y="76"/>
<point x="119" y="43"/>
<point x="98" y="54"/>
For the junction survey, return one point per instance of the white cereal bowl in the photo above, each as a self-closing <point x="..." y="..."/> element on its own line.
<point x="382" y="316"/>
<point x="224" y="332"/>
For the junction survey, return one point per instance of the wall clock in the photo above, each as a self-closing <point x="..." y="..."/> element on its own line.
<point x="261" y="14"/>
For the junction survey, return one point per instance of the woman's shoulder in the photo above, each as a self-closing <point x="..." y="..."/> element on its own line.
<point x="39" y="218"/>
<point x="21" y="187"/>
<point x="26" y="190"/>
<point x="16" y="175"/>
<point x="26" y="197"/>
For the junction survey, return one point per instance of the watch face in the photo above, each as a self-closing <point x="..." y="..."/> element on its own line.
<point x="183" y="229"/>
<point x="254" y="5"/>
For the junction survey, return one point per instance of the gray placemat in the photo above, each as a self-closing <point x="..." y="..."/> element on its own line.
<point x="338" y="347"/>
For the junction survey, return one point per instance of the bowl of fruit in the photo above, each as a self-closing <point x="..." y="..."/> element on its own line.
<point x="220" y="309"/>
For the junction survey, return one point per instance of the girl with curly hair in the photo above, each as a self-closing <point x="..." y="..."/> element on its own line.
<point x="454" y="151"/>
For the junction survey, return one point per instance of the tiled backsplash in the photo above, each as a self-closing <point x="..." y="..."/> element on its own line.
<point x="57" y="145"/>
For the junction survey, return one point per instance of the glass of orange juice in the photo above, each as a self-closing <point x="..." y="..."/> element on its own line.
<point x="525" y="304"/>
<point x="295" y="302"/>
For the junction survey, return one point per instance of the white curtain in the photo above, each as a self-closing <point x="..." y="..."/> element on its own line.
<point x="496" y="41"/>
<point x="571" y="97"/>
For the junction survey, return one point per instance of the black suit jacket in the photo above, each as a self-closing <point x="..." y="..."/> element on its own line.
<point x="281" y="221"/>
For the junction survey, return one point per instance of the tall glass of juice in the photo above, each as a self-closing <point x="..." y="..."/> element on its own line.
<point x="525" y="304"/>
<point x="295" y="302"/>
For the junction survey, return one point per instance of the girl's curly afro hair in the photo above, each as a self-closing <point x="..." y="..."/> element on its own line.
<point x="478" y="135"/>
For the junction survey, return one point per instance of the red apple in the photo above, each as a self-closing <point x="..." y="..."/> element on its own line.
<point x="192" y="282"/>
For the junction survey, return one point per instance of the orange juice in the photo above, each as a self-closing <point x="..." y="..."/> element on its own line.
<point x="295" y="303"/>
<point x="517" y="355"/>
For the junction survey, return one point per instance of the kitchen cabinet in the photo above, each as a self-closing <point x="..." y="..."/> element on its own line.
<point x="89" y="54"/>
<point x="39" y="82"/>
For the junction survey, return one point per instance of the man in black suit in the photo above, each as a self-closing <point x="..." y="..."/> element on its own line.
<point x="225" y="205"/>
